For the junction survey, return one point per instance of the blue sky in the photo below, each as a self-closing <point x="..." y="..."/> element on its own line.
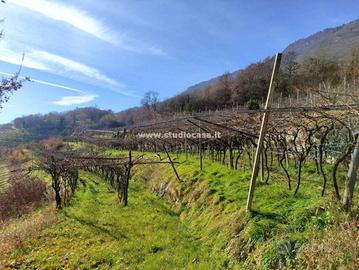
<point x="108" y="53"/>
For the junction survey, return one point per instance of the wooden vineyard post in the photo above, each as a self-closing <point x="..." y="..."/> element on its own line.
<point x="352" y="176"/>
<point x="263" y="131"/>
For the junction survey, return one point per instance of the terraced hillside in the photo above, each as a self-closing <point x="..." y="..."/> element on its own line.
<point x="197" y="224"/>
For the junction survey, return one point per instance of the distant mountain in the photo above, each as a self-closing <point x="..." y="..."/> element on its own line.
<point x="333" y="43"/>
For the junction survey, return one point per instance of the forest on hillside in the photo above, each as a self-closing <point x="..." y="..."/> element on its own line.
<point x="247" y="89"/>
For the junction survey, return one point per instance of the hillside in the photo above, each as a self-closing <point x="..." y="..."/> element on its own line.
<point x="38" y="127"/>
<point x="198" y="224"/>
<point x="112" y="237"/>
<point x="255" y="168"/>
<point x="204" y="84"/>
<point x="231" y="89"/>
<point x="332" y="43"/>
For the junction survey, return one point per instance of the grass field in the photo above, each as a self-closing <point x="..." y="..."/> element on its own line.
<point x="199" y="224"/>
<point x="212" y="203"/>
<point x="96" y="232"/>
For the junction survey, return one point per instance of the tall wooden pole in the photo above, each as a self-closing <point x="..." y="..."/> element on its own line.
<point x="352" y="177"/>
<point x="263" y="132"/>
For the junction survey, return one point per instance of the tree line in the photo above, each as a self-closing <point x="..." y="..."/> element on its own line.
<point x="249" y="87"/>
<point x="64" y="124"/>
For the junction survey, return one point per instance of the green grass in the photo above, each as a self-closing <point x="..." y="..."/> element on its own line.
<point x="96" y="232"/>
<point x="200" y="223"/>
<point x="213" y="203"/>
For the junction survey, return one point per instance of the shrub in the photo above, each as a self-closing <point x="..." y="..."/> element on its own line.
<point x="53" y="143"/>
<point x="18" y="155"/>
<point x="23" y="195"/>
<point x="253" y="104"/>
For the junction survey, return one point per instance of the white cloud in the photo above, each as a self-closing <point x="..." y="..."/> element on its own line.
<point x="62" y="65"/>
<point x="70" y="15"/>
<point x="156" y="51"/>
<point x="141" y="48"/>
<point x="11" y="56"/>
<point x="81" y="20"/>
<point x="42" y="60"/>
<point x="74" y="100"/>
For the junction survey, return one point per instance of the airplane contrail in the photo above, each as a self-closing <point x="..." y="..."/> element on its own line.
<point x="48" y="83"/>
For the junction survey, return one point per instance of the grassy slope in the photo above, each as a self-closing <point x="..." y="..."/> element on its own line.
<point x="97" y="232"/>
<point x="212" y="203"/>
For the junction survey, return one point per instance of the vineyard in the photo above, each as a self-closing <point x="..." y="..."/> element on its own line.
<point x="204" y="213"/>
<point x="179" y="135"/>
<point x="192" y="180"/>
<point x="297" y="138"/>
<point x="323" y="135"/>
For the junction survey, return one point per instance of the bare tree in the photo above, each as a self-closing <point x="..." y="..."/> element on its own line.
<point x="150" y="100"/>
<point x="290" y="64"/>
<point x="223" y="90"/>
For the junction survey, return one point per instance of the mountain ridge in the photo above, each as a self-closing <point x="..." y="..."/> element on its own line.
<point x="334" y="43"/>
